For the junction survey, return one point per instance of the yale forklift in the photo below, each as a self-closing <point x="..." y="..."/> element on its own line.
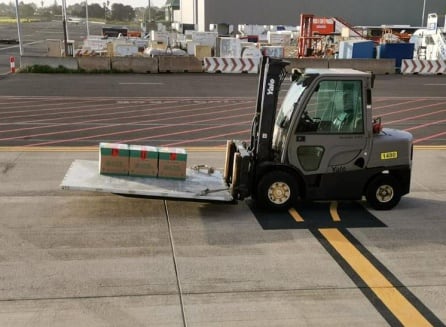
<point x="321" y="144"/>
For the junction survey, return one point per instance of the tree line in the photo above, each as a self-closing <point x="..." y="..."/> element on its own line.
<point x="115" y="12"/>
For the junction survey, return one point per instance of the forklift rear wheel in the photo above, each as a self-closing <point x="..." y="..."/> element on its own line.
<point x="383" y="192"/>
<point x="277" y="190"/>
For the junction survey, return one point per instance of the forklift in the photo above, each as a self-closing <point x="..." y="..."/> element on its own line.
<point x="321" y="144"/>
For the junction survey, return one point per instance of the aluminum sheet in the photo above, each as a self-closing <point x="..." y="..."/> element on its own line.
<point x="83" y="175"/>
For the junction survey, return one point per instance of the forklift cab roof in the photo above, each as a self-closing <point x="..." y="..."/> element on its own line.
<point x="309" y="74"/>
<point x="334" y="71"/>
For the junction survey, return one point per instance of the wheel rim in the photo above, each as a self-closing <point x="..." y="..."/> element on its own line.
<point x="279" y="193"/>
<point x="384" y="193"/>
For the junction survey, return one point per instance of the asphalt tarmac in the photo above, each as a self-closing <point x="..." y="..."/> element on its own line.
<point x="70" y="258"/>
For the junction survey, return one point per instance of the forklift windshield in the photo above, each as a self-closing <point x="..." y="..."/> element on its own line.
<point x="289" y="104"/>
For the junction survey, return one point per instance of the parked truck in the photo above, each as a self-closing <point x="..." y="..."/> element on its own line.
<point x="323" y="143"/>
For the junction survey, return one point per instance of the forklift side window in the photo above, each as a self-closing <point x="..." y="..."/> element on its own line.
<point x="336" y="106"/>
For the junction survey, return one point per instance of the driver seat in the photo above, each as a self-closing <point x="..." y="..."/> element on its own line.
<point x="343" y="122"/>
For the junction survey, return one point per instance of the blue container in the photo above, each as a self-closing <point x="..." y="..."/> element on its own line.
<point x="362" y="49"/>
<point x="397" y="51"/>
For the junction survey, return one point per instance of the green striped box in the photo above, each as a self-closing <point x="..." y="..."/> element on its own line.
<point x="172" y="163"/>
<point x="113" y="159"/>
<point x="143" y="161"/>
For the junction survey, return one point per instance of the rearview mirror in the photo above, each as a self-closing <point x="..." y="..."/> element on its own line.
<point x="296" y="73"/>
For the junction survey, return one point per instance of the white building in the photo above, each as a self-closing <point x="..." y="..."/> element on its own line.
<point x="203" y="13"/>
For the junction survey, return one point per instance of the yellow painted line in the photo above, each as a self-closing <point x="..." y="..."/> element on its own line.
<point x="48" y="149"/>
<point x="430" y="147"/>
<point x="403" y="310"/>
<point x="92" y="149"/>
<point x="334" y="211"/>
<point x="297" y="217"/>
<point x="190" y="149"/>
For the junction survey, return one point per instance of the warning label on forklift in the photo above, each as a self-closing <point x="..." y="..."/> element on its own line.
<point x="389" y="155"/>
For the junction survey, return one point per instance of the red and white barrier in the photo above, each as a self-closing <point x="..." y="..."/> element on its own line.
<point x="85" y="53"/>
<point x="12" y="64"/>
<point x="231" y="65"/>
<point x="425" y="67"/>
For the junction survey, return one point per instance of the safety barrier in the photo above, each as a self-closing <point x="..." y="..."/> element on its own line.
<point x="92" y="64"/>
<point x="181" y="64"/>
<point x="231" y="65"/>
<point x="425" y="67"/>
<point x="377" y="66"/>
<point x="84" y="52"/>
<point x="302" y="63"/>
<point x="135" y="64"/>
<point x="12" y="64"/>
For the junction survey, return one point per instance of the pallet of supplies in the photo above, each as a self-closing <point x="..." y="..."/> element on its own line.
<point x="113" y="159"/>
<point x="143" y="161"/>
<point x="172" y="163"/>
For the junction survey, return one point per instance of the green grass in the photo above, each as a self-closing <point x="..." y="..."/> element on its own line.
<point x="7" y="20"/>
<point x="45" y="69"/>
<point x="12" y="20"/>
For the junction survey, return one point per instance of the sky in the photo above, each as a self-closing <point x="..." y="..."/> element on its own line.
<point x="133" y="3"/>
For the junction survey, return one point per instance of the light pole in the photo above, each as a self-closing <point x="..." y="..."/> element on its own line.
<point x="86" y="18"/>
<point x="105" y="12"/>
<point x="19" y="28"/>
<point x="424" y="12"/>
<point x="64" y="24"/>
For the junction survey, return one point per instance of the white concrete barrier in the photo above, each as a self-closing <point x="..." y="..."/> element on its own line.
<point x="377" y="66"/>
<point x="135" y="64"/>
<point x="179" y="64"/>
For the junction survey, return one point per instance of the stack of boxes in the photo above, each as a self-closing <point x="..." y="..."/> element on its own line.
<point x="114" y="159"/>
<point x="142" y="161"/>
<point x="172" y="163"/>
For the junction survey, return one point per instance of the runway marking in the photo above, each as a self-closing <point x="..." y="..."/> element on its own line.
<point x="407" y="110"/>
<point x="398" y="305"/>
<point x="430" y="147"/>
<point x="150" y="128"/>
<point x="93" y="149"/>
<point x="296" y="216"/>
<point x="142" y="83"/>
<point x="86" y="148"/>
<point x="394" y="301"/>
<point x="208" y="137"/>
<point x="334" y="211"/>
<point x="429" y="137"/>
<point x="425" y="125"/>
<point x="416" y="117"/>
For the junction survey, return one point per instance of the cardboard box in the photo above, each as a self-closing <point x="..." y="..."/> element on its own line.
<point x="172" y="163"/>
<point x="143" y="161"/>
<point x="202" y="51"/>
<point x="113" y="159"/>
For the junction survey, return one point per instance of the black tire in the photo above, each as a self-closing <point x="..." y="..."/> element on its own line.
<point x="277" y="190"/>
<point x="383" y="192"/>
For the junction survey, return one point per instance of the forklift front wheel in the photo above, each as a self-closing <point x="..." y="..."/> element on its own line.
<point x="383" y="192"/>
<point x="277" y="190"/>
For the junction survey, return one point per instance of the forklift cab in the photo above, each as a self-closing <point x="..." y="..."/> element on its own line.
<point x="320" y="127"/>
<point x="321" y="144"/>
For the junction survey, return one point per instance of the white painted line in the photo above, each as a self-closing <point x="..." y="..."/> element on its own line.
<point x="142" y="83"/>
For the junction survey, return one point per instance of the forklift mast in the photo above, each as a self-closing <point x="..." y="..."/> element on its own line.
<point x="272" y="74"/>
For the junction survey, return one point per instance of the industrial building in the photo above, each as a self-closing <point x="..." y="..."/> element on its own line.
<point x="203" y="13"/>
